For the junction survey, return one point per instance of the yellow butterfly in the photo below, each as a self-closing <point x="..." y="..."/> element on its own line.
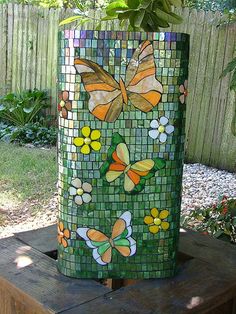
<point x="107" y="96"/>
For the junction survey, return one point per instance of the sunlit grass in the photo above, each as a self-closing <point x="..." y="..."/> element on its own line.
<point x="26" y="174"/>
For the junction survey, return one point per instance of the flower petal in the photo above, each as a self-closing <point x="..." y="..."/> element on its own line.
<point x="68" y="105"/>
<point x="65" y="95"/>
<point x="76" y="183"/>
<point x="86" y="197"/>
<point x="165" y="225"/>
<point x="64" y="242"/>
<point x="169" y="129"/>
<point x="153" y="134"/>
<point x="163" y="137"/>
<point x="64" y="112"/>
<point x="164" y="120"/>
<point x="78" y="200"/>
<point x="182" y="99"/>
<point x="154" y="124"/>
<point x="154" y="212"/>
<point x="96" y="145"/>
<point x="164" y="214"/>
<point x="87" y="187"/>
<point x="78" y="141"/>
<point x="72" y="191"/>
<point x="95" y="135"/>
<point x="148" y="220"/>
<point x="186" y="84"/>
<point x="85" y="150"/>
<point x="181" y="89"/>
<point x="67" y="233"/>
<point x="154" y="229"/>
<point x="61" y="226"/>
<point x="86" y="131"/>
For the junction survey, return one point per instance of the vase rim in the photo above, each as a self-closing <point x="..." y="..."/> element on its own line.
<point x="130" y="32"/>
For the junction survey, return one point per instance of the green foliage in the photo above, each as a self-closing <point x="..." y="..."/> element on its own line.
<point x="22" y="108"/>
<point x="231" y="67"/>
<point x="33" y="133"/>
<point x="217" y="5"/>
<point x="147" y="15"/>
<point x="218" y="220"/>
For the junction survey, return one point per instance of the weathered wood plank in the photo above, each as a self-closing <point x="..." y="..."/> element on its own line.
<point x="43" y="239"/>
<point x="3" y="47"/>
<point x="35" y="274"/>
<point x="187" y="292"/>
<point x="192" y="244"/>
<point x="221" y="255"/>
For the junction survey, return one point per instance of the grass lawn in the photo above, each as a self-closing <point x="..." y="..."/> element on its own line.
<point x="26" y="175"/>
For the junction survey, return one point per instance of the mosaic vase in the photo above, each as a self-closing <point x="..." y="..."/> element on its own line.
<point x="121" y="149"/>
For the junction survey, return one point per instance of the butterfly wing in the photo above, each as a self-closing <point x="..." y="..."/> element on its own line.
<point x="100" y="244"/>
<point x="106" y="99"/>
<point x="143" y="89"/>
<point x="121" y="235"/>
<point x="139" y="172"/>
<point x="117" y="159"/>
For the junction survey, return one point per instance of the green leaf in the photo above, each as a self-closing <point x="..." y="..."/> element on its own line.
<point x="133" y="4"/>
<point x="138" y="19"/>
<point x="157" y="22"/>
<point x="116" y="7"/>
<point x="176" y="3"/>
<point x="166" y="6"/>
<point x="109" y="18"/>
<point x="125" y="15"/>
<point x="233" y="125"/>
<point x="233" y="81"/>
<point x="144" y="4"/>
<point x="70" y="20"/>
<point x="229" y="68"/>
<point x="28" y="110"/>
<point x="169" y="17"/>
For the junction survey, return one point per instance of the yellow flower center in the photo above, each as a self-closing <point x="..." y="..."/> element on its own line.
<point x="87" y="141"/>
<point x="161" y="129"/>
<point x="80" y="191"/>
<point x="157" y="221"/>
<point x="127" y="168"/>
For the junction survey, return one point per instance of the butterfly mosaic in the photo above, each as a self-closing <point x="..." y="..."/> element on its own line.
<point x="118" y="164"/>
<point x="108" y="97"/>
<point x="102" y="246"/>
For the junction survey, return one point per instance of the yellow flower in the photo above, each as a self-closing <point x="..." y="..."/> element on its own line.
<point x="88" y="141"/>
<point x="155" y="221"/>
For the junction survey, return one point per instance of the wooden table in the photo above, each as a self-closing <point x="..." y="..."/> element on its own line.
<point x="31" y="284"/>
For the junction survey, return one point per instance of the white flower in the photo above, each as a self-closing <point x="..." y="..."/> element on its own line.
<point x="80" y="191"/>
<point x="160" y="129"/>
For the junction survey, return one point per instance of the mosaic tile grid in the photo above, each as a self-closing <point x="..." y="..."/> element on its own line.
<point x="86" y="199"/>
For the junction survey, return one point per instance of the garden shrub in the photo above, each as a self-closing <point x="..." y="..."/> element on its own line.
<point x="219" y="220"/>
<point x="24" y="107"/>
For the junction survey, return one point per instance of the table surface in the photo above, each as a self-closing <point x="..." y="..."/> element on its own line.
<point x="206" y="280"/>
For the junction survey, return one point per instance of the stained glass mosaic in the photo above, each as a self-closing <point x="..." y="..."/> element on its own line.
<point x="121" y="110"/>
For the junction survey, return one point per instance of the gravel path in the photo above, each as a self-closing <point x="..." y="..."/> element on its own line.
<point x="202" y="186"/>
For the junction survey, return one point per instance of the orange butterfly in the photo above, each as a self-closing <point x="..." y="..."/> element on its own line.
<point x="118" y="164"/>
<point x="107" y="96"/>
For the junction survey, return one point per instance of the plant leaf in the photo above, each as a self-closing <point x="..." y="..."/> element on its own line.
<point x="138" y="19"/>
<point x="133" y="4"/>
<point x="169" y="17"/>
<point x="70" y="19"/>
<point x="116" y="7"/>
<point x="176" y="3"/>
<point x="229" y="68"/>
<point x="144" y="4"/>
